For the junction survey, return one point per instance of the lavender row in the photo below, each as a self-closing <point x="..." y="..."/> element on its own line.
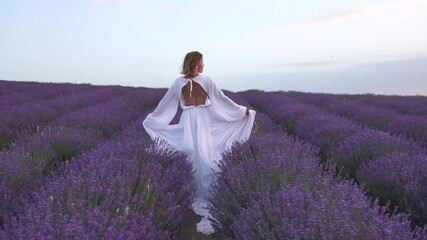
<point x="27" y="118"/>
<point x="406" y="105"/>
<point x="356" y="151"/>
<point x="262" y="122"/>
<point x="127" y="188"/>
<point x="30" y="92"/>
<point x="25" y="166"/>
<point x="366" y="113"/>
<point x="8" y="87"/>
<point x="410" y="126"/>
<point x="272" y="187"/>
<point x="110" y="117"/>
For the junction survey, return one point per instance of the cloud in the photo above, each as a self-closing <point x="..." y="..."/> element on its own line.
<point x="370" y="33"/>
<point x="118" y="2"/>
<point x="125" y="2"/>
<point x="317" y="66"/>
<point x="335" y="17"/>
<point x="311" y="64"/>
<point x="362" y="12"/>
<point x="334" y="63"/>
<point x="401" y="77"/>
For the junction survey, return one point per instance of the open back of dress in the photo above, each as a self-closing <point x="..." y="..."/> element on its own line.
<point x="194" y="94"/>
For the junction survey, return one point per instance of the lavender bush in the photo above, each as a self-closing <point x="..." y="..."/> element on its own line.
<point x="24" y="92"/>
<point x="64" y="139"/>
<point x="58" y="144"/>
<point x="247" y="169"/>
<point x="65" y="180"/>
<point x="340" y="140"/>
<point x="408" y="105"/>
<point x="262" y="122"/>
<point x="18" y="174"/>
<point x="400" y="178"/>
<point x="413" y="127"/>
<point x="330" y="210"/>
<point x="326" y="131"/>
<point x="127" y="188"/>
<point x="374" y="114"/>
<point x="367" y="146"/>
<point x="321" y="100"/>
<point x="280" y="108"/>
<point x="107" y="118"/>
<point x="27" y="118"/>
<point x="372" y="117"/>
<point x="26" y="166"/>
<point x="277" y="191"/>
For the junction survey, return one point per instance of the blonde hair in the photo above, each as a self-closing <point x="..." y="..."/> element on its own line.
<point x="191" y="61"/>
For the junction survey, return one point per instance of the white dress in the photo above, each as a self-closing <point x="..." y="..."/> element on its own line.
<point x="203" y="133"/>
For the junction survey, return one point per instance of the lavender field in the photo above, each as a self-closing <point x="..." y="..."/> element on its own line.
<point x="76" y="163"/>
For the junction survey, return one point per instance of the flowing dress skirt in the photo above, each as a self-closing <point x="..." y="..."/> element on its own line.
<point x="193" y="136"/>
<point x="204" y="138"/>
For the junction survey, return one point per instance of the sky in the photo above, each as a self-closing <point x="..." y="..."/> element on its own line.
<point x="330" y="46"/>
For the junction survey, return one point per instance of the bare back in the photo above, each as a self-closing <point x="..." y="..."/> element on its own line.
<point x="198" y="95"/>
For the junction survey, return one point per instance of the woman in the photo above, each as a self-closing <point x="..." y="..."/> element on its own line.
<point x="209" y="124"/>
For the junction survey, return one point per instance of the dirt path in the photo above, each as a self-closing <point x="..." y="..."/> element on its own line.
<point x="189" y="232"/>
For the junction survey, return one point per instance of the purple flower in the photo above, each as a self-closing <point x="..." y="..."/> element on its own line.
<point x="400" y="178"/>
<point x="125" y="188"/>
<point x="369" y="145"/>
<point x="325" y="131"/>
<point x="272" y="187"/>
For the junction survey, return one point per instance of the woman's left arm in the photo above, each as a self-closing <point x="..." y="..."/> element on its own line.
<point x="163" y="114"/>
<point x="226" y="108"/>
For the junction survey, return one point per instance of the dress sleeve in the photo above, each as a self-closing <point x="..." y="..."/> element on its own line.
<point x="231" y="123"/>
<point x="160" y="118"/>
<point x="224" y="108"/>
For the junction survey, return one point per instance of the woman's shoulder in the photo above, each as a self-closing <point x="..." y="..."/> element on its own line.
<point x="179" y="81"/>
<point x="181" y="78"/>
<point x="204" y="78"/>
